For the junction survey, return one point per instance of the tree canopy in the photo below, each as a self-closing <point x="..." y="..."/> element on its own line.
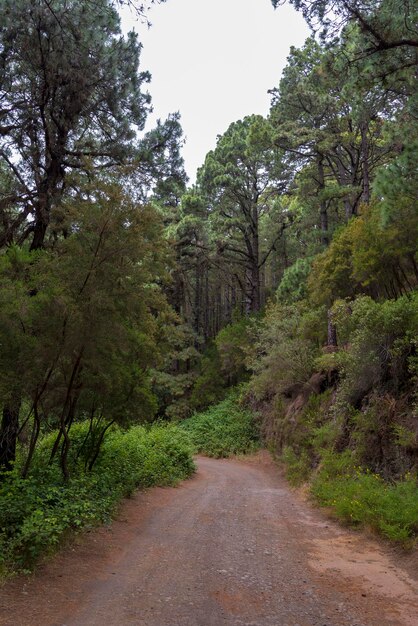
<point x="72" y="100"/>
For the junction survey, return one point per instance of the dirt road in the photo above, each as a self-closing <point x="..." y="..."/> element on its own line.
<point x="231" y="546"/>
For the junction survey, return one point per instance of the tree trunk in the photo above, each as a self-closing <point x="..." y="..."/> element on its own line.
<point x="206" y="327"/>
<point x="99" y="444"/>
<point x="252" y="274"/>
<point x="39" y="233"/>
<point x="8" y="432"/>
<point x="365" y="161"/>
<point x="198" y="299"/>
<point x="323" y="210"/>
<point x="332" y="332"/>
<point x="344" y="182"/>
<point x="253" y="300"/>
<point x="33" y="440"/>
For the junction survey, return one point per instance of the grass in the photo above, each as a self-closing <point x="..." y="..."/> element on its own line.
<point x="361" y="498"/>
<point x="223" y="430"/>
<point x="358" y="497"/>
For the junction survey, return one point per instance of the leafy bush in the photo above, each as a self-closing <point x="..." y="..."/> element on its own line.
<point x="368" y="255"/>
<point x="224" y="363"/>
<point x="303" y="437"/>
<point x="380" y="339"/>
<point x="284" y="351"/>
<point x="224" y="429"/>
<point x="37" y="511"/>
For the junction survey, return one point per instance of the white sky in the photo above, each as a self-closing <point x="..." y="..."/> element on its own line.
<point x="214" y="60"/>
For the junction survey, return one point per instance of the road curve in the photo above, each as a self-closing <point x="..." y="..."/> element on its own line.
<point x="231" y="546"/>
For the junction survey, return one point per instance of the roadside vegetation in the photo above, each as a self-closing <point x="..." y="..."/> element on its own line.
<point x="342" y="418"/>
<point x="360" y="498"/>
<point x="38" y="512"/>
<point x="224" y="429"/>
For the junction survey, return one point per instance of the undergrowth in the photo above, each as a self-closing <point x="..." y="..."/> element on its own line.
<point x="362" y="498"/>
<point x="36" y="512"/>
<point x="224" y="429"/>
<point x="357" y="496"/>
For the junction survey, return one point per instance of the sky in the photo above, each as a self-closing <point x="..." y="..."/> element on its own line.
<point x="214" y="61"/>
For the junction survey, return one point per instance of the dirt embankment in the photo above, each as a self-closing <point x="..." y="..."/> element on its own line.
<point x="231" y="546"/>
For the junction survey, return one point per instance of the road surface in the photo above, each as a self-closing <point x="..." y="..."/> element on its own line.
<point x="233" y="546"/>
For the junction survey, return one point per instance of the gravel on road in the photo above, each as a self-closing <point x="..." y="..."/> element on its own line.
<point x="232" y="546"/>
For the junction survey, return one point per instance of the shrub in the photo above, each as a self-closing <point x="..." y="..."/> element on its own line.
<point x="368" y="255"/>
<point x="380" y="338"/>
<point x="224" y="429"/>
<point x="358" y="497"/>
<point x="283" y="354"/>
<point x="298" y="466"/>
<point x="37" y="511"/>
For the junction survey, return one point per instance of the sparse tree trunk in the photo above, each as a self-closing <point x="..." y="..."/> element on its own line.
<point x="332" y="332"/>
<point x="39" y="233"/>
<point x="99" y="444"/>
<point x="323" y="210"/>
<point x="252" y="274"/>
<point x="33" y="440"/>
<point x="198" y="298"/>
<point x="8" y="432"/>
<point x="365" y="161"/>
<point x="206" y="299"/>
<point x="64" y="418"/>
<point x="344" y="181"/>
<point x="286" y="262"/>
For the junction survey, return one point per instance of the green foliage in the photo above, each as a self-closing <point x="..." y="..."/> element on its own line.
<point x="79" y="105"/>
<point x="354" y="442"/>
<point x="223" y="430"/>
<point x="368" y="256"/>
<point x="377" y="35"/>
<point x="362" y="498"/>
<point x="405" y="437"/>
<point x="298" y="467"/>
<point x="245" y="152"/>
<point x="284" y="350"/>
<point x="160" y="455"/>
<point x="302" y="437"/>
<point x="396" y="183"/>
<point x="77" y="81"/>
<point x="210" y="386"/>
<point x="369" y="413"/>
<point x="379" y="338"/>
<point x="293" y="286"/>
<point x="84" y="322"/>
<point x="35" y="513"/>
<point x="357" y="496"/>
<point x="233" y="343"/>
<point x="173" y="380"/>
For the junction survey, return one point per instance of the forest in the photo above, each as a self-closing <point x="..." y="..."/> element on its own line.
<point x="279" y="289"/>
